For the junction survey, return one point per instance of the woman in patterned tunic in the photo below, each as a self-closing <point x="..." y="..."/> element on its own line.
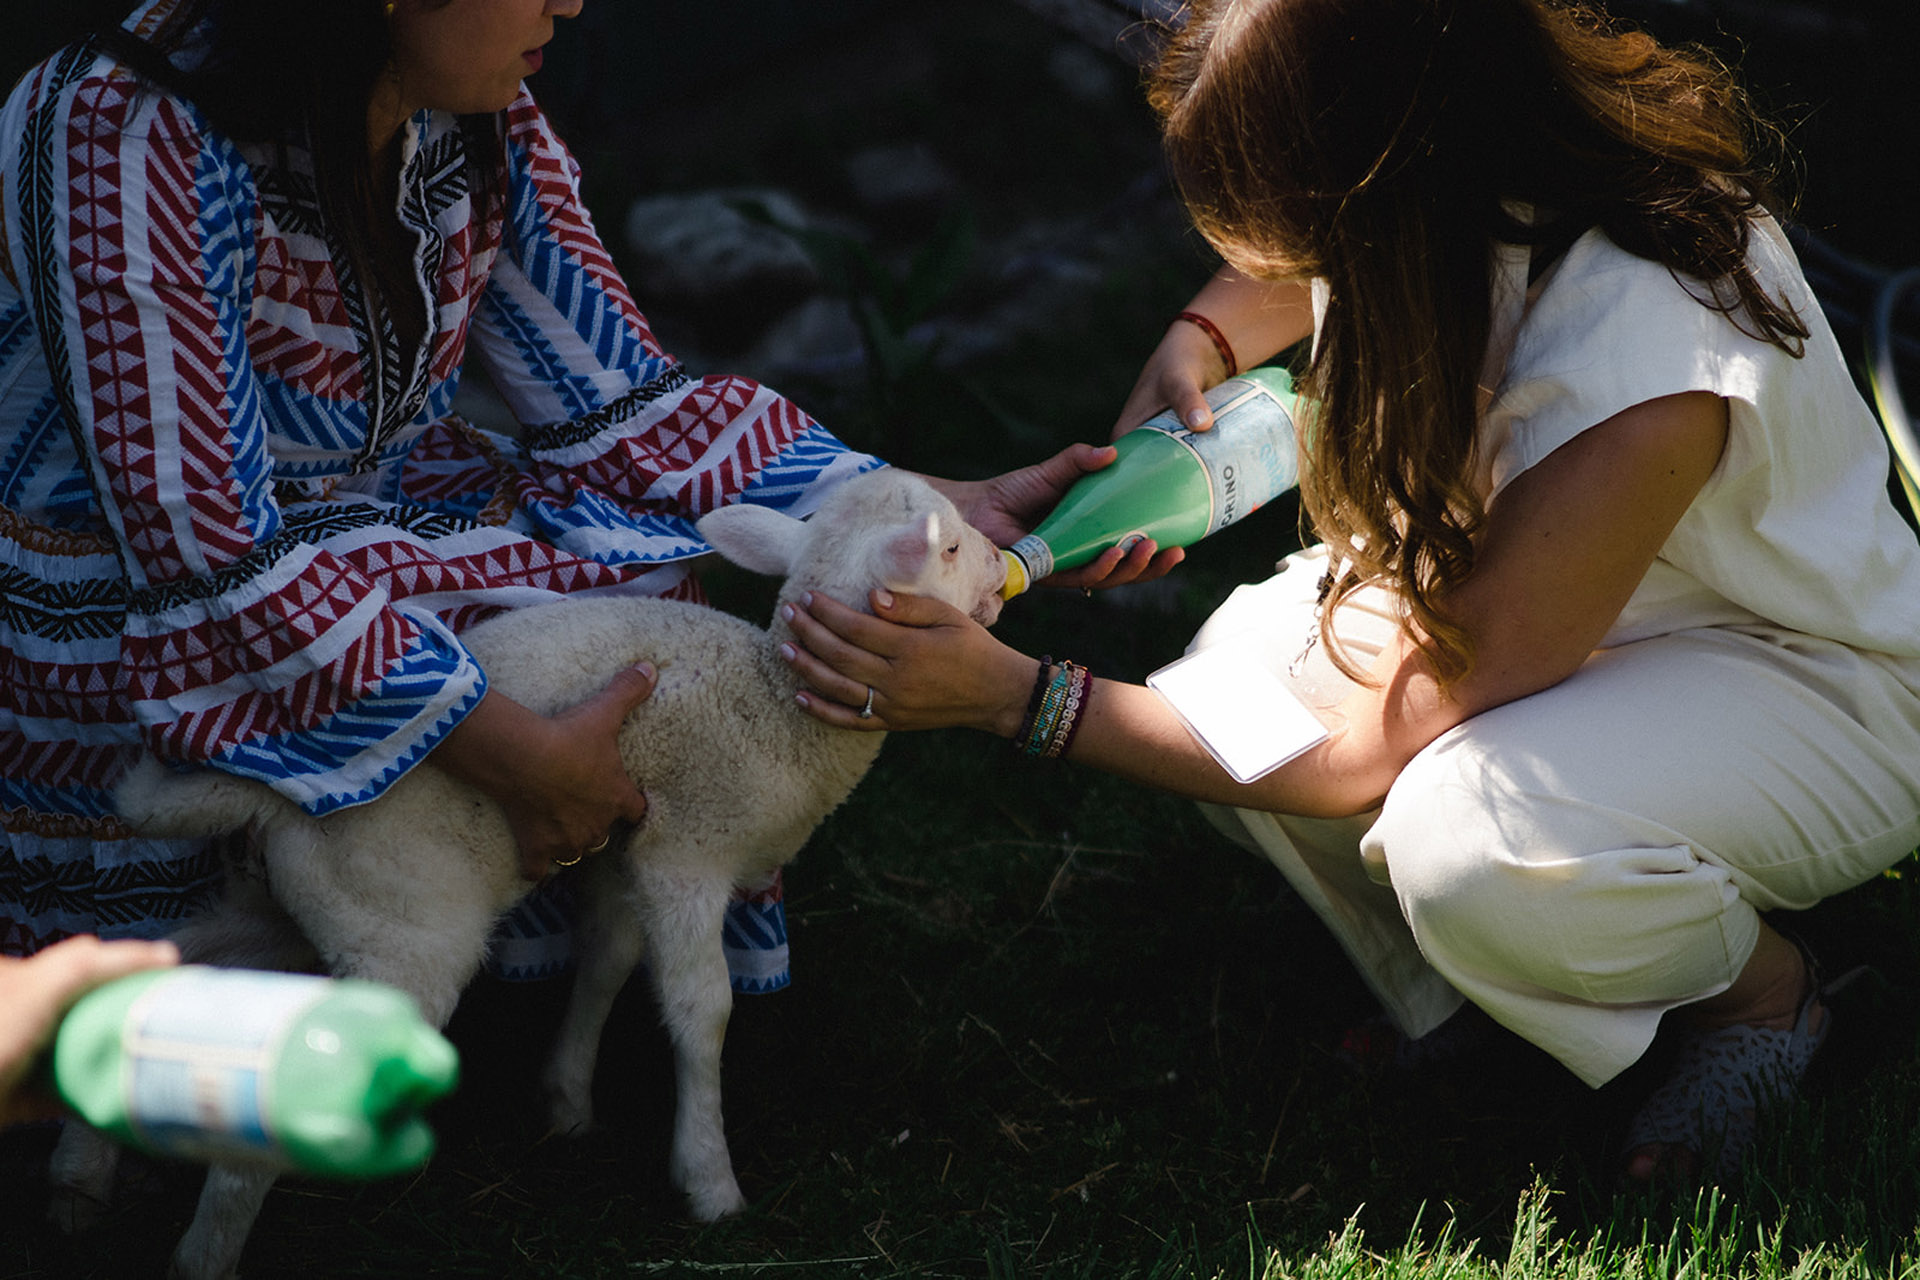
<point x="247" y="249"/>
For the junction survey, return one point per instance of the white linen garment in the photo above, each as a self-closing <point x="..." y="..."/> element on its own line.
<point x="1746" y="738"/>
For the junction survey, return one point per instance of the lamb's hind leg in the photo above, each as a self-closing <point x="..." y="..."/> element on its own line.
<point x="607" y="944"/>
<point x="247" y="928"/>
<point x="80" y="1178"/>
<point x="432" y="968"/>
<point x="683" y="920"/>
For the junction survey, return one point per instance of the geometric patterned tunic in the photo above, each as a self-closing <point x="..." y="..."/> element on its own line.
<point x="239" y="524"/>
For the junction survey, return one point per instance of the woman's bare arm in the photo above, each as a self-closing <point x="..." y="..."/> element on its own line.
<point x="1563" y="549"/>
<point x="1258" y="319"/>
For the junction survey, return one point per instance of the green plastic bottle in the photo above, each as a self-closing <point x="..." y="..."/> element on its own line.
<point x="278" y="1070"/>
<point x="1170" y="484"/>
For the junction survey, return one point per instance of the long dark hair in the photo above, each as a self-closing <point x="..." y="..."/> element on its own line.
<point x="300" y="72"/>
<point x="1377" y="144"/>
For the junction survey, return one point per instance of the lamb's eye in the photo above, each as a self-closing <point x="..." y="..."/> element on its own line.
<point x="954" y="550"/>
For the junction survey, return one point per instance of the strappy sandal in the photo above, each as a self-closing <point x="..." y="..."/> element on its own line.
<point x="1721" y="1079"/>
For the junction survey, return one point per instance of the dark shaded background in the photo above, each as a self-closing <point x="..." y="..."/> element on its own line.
<point x="691" y="94"/>
<point x="659" y="97"/>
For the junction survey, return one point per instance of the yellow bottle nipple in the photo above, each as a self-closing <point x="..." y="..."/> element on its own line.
<point x="1016" y="575"/>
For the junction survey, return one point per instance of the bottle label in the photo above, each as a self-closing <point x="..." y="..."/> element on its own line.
<point x="1249" y="455"/>
<point x="1036" y="555"/>
<point x="199" y="1053"/>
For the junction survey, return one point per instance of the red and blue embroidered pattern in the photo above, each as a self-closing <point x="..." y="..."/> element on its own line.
<point x="240" y="526"/>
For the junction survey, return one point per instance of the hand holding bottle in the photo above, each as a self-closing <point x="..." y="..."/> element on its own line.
<point x="37" y="990"/>
<point x="1171" y="485"/>
<point x="274" y="1070"/>
<point x="1006" y="506"/>
<point x="1175" y="379"/>
<point x="1255" y="320"/>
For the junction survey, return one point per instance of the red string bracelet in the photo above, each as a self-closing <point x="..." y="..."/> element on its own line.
<point x="1220" y="343"/>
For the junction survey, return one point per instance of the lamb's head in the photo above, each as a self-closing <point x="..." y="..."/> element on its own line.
<point x="885" y="528"/>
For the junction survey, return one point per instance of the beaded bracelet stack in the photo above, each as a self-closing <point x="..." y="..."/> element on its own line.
<point x="1055" y="709"/>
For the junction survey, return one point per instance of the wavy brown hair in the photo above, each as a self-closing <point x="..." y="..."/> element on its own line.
<point x="1380" y="145"/>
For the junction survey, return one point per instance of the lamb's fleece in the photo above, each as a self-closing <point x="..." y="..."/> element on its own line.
<point x="405" y="890"/>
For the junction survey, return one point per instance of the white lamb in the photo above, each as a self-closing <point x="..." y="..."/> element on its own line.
<point x="406" y="890"/>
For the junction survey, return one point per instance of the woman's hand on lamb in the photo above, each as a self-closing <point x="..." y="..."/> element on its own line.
<point x="1007" y="506"/>
<point x="560" y="778"/>
<point x="929" y="666"/>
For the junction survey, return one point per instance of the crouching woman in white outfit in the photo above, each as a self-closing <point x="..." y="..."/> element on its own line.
<point x="1621" y="647"/>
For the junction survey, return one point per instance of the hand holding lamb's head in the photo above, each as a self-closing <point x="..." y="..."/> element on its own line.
<point x="882" y="529"/>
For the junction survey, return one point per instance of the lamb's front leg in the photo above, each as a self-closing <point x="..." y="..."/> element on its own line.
<point x="690" y="974"/>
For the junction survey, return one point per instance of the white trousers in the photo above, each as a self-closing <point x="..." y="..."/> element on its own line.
<point x="1580" y="861"/>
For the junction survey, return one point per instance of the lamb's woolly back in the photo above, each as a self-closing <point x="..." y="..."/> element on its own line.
<point x="885" y="528"/>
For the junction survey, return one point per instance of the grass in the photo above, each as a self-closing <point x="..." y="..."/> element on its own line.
<point x="1044" y="1024"/>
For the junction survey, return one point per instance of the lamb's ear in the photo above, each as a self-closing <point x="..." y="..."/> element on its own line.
<point x="756" y="538"/>
<point x="905" y="553"/>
